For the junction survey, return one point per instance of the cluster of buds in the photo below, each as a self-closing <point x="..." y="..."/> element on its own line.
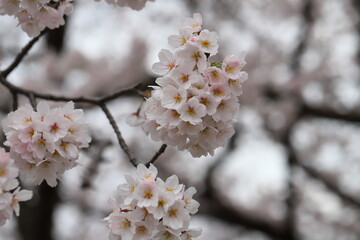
<point x="45" y="143"/>
<point x="35" y="15"/>
<point x="194" y="105"/>
<point x="10" y="193"/>
<point x="146" y="207"/>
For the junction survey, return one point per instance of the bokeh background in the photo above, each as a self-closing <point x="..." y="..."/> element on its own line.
<point x="291" y="171"/>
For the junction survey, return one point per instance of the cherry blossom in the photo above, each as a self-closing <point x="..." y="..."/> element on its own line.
<point x="195" y="103"/>
<point x="146" y="207"/>
<point x="10" y="192"/>
<point x="45" y="143"/>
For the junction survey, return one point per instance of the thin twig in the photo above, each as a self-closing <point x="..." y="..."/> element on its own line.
<point x="121" y="140"/>
<point x="157" y="155"/>
<point x="21" y="55"/>
<point x="32" y="100"/>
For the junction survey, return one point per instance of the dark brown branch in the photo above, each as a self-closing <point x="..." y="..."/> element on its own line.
<point x="50" y="97"/>
<point x="21" y="55"/>
<point x="330" y="114"/>
<point x="157" y="154"/>
<point x="330" y="183"/>
<point x="115" y="127"/>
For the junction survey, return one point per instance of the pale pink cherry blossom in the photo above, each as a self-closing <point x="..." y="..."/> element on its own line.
<point x="210" y="93"/>
<point x="193" y="23"/>
<point x="69" y="112"/>
<point x="127" y="190"/>
<point x="156" y="112"/>
<point x="165" y="200"/>
<point x="199" y="85"/>
<point x="232" y="66"/>
<point x="144" y="229"/>
<point x="173" y="98"/>
<point x="192" y="54"/>
<point x="9" y="7"/>
<point x="7" y="168"/>
<point x="191" y="233"/>
<point x="176" y="215"/>
<point x="197" y="150"/>
<point x="19" y="119"/>
<point x="67" y="148"/>
<point x="177" y="41"/>
<point x="192" y="111"/>
<point x="220" y="91"/>
<point x="5" y="207"/>
<point x="51" y="17"/>
<point x="207" y="41"/>
<point x="184" y="75"/>
<point x="137" y="118"/>
<point x="78" y="131"/>
<point x="235" y="85"/>
<point x="17" y="146"/>
<point x="40" y="144"/>
<point x="154" y="129"/>
<point x="19" y="196"/>
<point x="27" y="169"/>
<point x="146" y="220"/>
<point x="47" y="170"/>
<point x="165" y="233"/>
<point x="226" y="109"/>
<point x="173" y="138"/>
<point x="189" y="129"/>
<point x="225" y="131"/>
<point x="121" y="225"/>
<point x="144" y="173"/>
<point x="31" y="5"/>
<point x="57" y="127"/>
<point x="172" y="118"/>
<point x="42" y="109"/>
<point x="9" y="197"/>
<point x="167" y="62"/>
<point x="26" y="134"/>
<point x="166" y="80"/>
<point x="208" y="101"/>
<point x="146" y="195"/>
<point x="190" y="204"/>
<point x="172" y="185"/>
<point x="28" y="24"/>
<point x="207" y="136"/>
<point x="215" y="75"/>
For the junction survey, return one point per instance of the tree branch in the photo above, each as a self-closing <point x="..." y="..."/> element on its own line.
<point x="115" y="127"/>
<point x="21" y="55"/>
<point x="157" y="154"/>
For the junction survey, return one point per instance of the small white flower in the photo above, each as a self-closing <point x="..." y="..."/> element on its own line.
<point x="176" y="215"/>
<point x="167" y="62"/>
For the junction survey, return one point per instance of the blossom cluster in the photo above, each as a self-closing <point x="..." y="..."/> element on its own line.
<point x="146" y="207"/>
<point x="10" y="193"/>
<point x="45" y="143"/>
<point x="36" y="15"/>
<point x="196" y="100"/>
<point x="133" y="4"/>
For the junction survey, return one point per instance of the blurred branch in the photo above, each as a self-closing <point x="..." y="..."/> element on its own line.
<point x="214" y="205"/>
<point x="330" y="183"/>
<point x="96" y="157"/>
<point x="308" y="19"/>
